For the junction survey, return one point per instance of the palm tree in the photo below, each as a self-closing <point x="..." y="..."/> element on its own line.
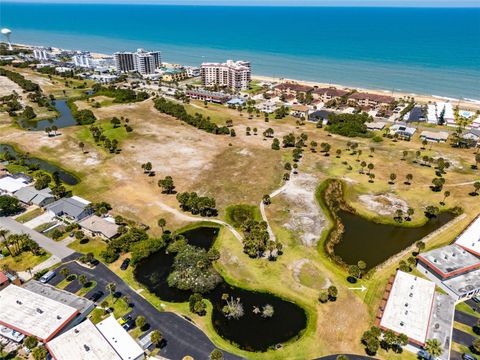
<point x="410" y="212"/>
<point x="65" y="272"/>
<point x="54" y="129"/>
<point x="434" y="347"/>
<point x="156" y="337"/>
<point x="409" y="178"/>
<point x="339" y="152"/>
<point x="370" y="168"/>
<point x="371" y="176"/>
<point x="445" y="195"/>
<point x="81" y="145"/>
<point x="82" y="279"/>
<point x="162" y="223"/>
<point x="476" y="185"/>
<point x="111" y="287"/>
<point x="393" y="176"/>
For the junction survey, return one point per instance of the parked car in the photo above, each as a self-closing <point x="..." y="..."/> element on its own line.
<point x="47" y="277"/>
<point x="124" y="319"/>
<point x="128" y="325"/>
<point x="125" y="264"/>
<point x="96" y="296"/>
<point x="476" y="299"/>
<point x="468" y="357"/>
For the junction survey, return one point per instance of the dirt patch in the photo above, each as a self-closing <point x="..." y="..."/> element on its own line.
<point x="306" y="273"/>
<point x="7" y="86"/>
<point x="383" y="204"/>
<point x="306" y="218"/>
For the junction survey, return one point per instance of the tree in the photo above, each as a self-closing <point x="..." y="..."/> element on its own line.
<point x="156" y="337"/>
<point x="434" y="347"/>
<point x="476" y="186"/>
<point x="373" y="345"/>
<point x="362" y="265"/>
<point x="266" y="199"/>
<point x="111" y="287"/>
<point x="276" y="144"/>
<point x="339" y="153"/>
<point x="30" y="342"/>
<point x="162" y="223"/>
<point x="476" y="345"/>
<point x="140" y="321"/>
<point x="420" y="246"/>
<point x="216" y="355"/>
<point x="410" y="212"/>
<point x="354" y="271"/>
<point x="9" y="205"/>
<point x="39" y="353"/>
<point x="370" y="167"/>
<point x="409" y="178"/>
<point x="332" y="292"/>
<point x="393" y="176"/>
<point x="342" y="357"/>
<point x="268" y="311"/>
<point x="82" y="279"/>
<point x="65" y="272"/>
<point x="323" y="296"/>
<point x="431" y="211"/>
<point x="28" y="113"/>
<point x="446" y="194"/>
<point x="477" y="160"/>
<point x="167" y="185"/>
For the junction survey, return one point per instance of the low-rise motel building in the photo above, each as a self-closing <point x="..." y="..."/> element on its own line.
<point x="411" y="306"/>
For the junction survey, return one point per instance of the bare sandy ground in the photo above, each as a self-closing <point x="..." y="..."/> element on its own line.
<point x="7" y="86"/>
<point x="383" y="204"/>
<point x="306" y="218"/>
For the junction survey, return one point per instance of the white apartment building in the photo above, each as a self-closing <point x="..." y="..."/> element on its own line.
<point x="41" y="53"/>
<point x="83" y="60"/>
<point x="235" y="75"/>
<point x="144" y="62"/>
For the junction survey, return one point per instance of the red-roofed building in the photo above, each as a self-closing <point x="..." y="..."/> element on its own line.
<point x="327" y="94"/>
<point x="291" y="88"/>
<point x="3" y="280"/>
<point x="367" y="99"/>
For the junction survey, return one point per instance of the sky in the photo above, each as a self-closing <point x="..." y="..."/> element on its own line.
<point x="394" y="3"/>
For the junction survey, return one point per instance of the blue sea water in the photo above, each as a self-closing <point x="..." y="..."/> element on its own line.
<point x="416" y="50"/>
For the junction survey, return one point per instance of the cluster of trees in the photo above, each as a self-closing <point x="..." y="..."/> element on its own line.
<point x="350" y="125"/>
<point x="19" y="243"/>
<point x="43" y="180"/>
<point x="203" y="205"/>
<point x="120" y="95"/>
<point x="281" y="112"/>
<point x="192" y="268"/>
<point x="257" y="241"/>
<point x="28" y="113"/>
<point x="372" y="341"/>
<point x="20" y="80"/>
<point x="329" y="294"/>
<point x="84" y="117"/>
<point x="197" y="304"/>
<point x="198" y="120"/>
<point x="99" y="137"/>
<point x="123" y="244"/>
<point x="9" y="205"/>
<point x="167" y="185"/>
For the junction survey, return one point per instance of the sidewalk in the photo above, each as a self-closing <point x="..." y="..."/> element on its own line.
<point x="27" y="275"/>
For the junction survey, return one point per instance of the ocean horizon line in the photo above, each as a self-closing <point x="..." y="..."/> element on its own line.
<point x="413" y="5"/>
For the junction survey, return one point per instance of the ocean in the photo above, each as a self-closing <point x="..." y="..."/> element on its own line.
<point x="433" y="51"/>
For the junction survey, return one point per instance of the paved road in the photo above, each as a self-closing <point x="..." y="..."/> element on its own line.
<point x="48" y="244"/>
<point x="350" y="357"/>
<point x="182" y="337"/>
<point x="465" y="318"/>
<point x="462" y="338"/>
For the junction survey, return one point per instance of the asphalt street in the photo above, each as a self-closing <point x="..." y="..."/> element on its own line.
<point x="53" y="247"/>
<point x="181" y="336"/>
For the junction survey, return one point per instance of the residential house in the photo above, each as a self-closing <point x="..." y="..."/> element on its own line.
<point x="31" y="196"/>
<point x="211" y="96"/>
<point x="372" y="100"/>
<point x="300" y="111"/>
<point x="73" y="208"/>
<point x="434" y="136"/>
<point x="9" y="184"/>
<point x="402" y="131"/>
<point x="417" y="114"/>
<point x="291" y="88"/>
<point x="98" y="226"/>
<point x="268" y="106"/>
<point x="319" y="115"/>
<point x="376" y="126"/>
<point x="472" y="135"/>
<point x="174" y="75"/>
<point x="327" y="94"/>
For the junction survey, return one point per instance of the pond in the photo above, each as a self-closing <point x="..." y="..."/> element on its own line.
<point x="374" y="243"/>
<point x="64" y="119"/>
<point x="64" y="176"/>
<point x="251" y="332"/>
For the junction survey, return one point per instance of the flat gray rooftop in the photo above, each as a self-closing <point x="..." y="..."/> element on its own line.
<point x="441" y="322"/>
<point x="450" y="259"/>
<point x="463" y="284"/>
<point x="61" y="296"/>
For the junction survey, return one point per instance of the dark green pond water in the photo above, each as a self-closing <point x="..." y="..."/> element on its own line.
<point x="251" y="332"/>
<point x="64" y="119"/>
<point x="64" y="176"/>
<point x="374" y="243"/>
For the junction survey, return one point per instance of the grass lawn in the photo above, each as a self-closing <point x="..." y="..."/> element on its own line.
<point x="29" y="215"/>
<point x="94" y="245"/>
<point x="23" y="261"/>
<point x="119" y="306"/>
<point x="465" y="328"/>
<point x="91" y="284"/>
<point x="62" y="284"/>
<point x="467" y="309"/>
<point x="41" y="228"/>
<point x="463" y="349"/>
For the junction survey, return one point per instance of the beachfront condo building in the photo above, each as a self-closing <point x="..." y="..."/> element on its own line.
<point x="83" y="60"/>
<point x="42" y="54"/>
<point x="236" y="75"/>
<point x="144" y="62"/>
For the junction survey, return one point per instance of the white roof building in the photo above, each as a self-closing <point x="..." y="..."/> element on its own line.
<point x="470" y="238"/>
<point x="120" y="340"/>
<point x="83" y="342"/>
<point x="409" y="306"/>
<point x="33" y="314"/>
<point x="432" y="114"/>
<point x="9" y="184"/>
